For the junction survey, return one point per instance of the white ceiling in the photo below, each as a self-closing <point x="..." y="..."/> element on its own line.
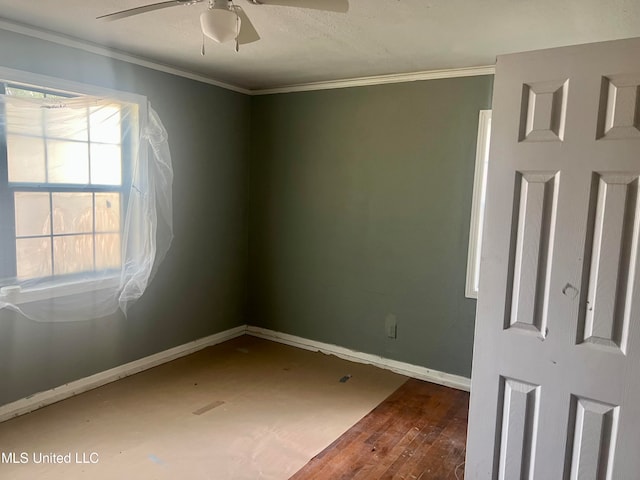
<point x="375" y="37"/>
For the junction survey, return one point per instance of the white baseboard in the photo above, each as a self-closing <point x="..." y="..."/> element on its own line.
<point x="414" y="371"/>
<point x="42" y="399"/>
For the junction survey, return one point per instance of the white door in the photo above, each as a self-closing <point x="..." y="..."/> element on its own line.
<point x="555" y="391"/>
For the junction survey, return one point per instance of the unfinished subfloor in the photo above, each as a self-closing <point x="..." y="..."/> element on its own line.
<point x="244" y="409"/>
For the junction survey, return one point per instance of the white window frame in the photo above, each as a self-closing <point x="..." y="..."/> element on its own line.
<point x="19" y="296"/>
<point x="477" y="205"/>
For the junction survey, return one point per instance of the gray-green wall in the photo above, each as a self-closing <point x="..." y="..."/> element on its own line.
<point x="360" y="201"/>
<point x="357" y="207"/>
<point x="200" y="288"/>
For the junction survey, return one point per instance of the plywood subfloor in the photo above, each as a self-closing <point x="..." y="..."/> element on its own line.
<point x="419" y="432"/>
<point x="245" y="409"/>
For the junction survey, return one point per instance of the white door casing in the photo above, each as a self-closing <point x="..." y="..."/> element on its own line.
<point x="555" y="390"/>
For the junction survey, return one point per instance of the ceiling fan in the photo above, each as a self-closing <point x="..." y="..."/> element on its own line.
<point x="224" y="21"/>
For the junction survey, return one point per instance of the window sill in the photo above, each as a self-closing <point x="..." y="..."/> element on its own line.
<point x="13" y="294"/>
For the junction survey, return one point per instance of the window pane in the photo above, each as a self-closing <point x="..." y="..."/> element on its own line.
<point x="32" y="213"/>
<point x="72" y="254"/>
<point x="107" y="212"/>
<point x="19" y="92"/>
<point x="26" y="120"/>
<point x="107" y="251"/>
<point x="72" y="213"/>
<point x="67" y="123"/>
<point x="68" y="162"/>
<point x="106" y="163"/>
<point x="105" y="124"/>
<point x="25" y="159"/>
<point x="33" y="257"/>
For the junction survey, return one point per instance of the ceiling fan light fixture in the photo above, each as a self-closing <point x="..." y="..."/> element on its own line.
<point x="220" y="25"/>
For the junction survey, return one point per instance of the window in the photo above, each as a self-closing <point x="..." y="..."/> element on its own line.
<point x="477" y="207"/>
<point x="63" y="185"/>
<point x="85" y="197"/>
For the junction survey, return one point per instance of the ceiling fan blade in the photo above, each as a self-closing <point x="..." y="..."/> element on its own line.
<point x="341" y="6"/>
<point x="248" y="33"/>
<point x="145" y="8"/>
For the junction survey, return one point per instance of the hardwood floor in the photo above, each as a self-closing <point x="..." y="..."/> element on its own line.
<point x="419" y="432"/>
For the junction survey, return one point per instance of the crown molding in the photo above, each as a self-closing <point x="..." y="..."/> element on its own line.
<point x="90" y="47"/>
<point x="95" y="48"/>
<point x="381" y="79"/>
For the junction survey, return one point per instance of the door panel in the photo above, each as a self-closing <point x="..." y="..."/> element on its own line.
<point x="556" y="375"/>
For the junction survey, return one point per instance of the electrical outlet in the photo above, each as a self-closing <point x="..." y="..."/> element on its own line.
<point x="391" y="326"/>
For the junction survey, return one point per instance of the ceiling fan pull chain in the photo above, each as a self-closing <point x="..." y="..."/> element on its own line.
<point x="234" y="9"/>
<point x="202" y="51"/>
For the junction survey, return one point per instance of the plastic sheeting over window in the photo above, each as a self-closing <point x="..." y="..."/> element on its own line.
<point x="85" y="203"/>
